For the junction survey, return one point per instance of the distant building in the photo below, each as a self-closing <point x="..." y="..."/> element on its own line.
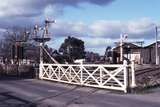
<point x="92" y="57"/>
<point x="149" y="55"/>
<point x="130" y="51"/>
<point x="141" y="55"/>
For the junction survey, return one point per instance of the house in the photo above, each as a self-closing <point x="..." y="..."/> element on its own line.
<point x="130" y="52"/>
<point x="141" y="55"/>
<point x="149" y="55"/>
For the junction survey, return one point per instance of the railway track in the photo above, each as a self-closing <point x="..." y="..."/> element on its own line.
<point x="148" y="76"/>
<point x="147" y="71"/>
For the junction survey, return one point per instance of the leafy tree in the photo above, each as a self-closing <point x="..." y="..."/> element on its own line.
<point x="108" y="51"/>
<point x="108" y="54"/>
<point x="73" y="48"/>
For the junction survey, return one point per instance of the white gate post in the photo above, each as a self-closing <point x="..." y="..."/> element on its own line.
<point x="101" y="76"/>
<point x="81" y="75"/>
<point x="41" y="62"/>
<point x="133" y="83"/>
<point x="125" y="76"/>
<point x="40" y="70"/>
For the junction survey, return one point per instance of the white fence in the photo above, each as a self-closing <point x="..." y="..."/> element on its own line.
<point x="94" y="75"/>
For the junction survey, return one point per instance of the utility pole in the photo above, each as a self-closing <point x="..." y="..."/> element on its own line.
<point x="122" y="38"/>
<point x="121" y="47"/>
<point x="156" y="47"/>
<point x="141" y="56"/>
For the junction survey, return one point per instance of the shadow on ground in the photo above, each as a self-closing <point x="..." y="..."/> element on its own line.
<point x="8" y="100"/>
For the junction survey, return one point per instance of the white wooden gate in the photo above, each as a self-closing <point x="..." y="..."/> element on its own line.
<point x="112" y="76"/>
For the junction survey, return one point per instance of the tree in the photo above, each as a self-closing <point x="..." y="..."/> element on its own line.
<point x="108" y="51"/>
<point x="73" y="48"/>
<point x="108" y="54"/>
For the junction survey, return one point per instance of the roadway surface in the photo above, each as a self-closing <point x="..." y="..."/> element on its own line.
<point x="39" y="93"/>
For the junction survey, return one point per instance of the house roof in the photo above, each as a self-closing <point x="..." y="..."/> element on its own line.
<point x="127" y="45"/>
<point x="152" y="45"/>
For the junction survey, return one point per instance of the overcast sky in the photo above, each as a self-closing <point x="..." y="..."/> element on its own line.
<point x="98" y="22"/>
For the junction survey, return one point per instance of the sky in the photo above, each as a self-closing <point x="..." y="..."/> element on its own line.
<point x="98" y="23"/>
